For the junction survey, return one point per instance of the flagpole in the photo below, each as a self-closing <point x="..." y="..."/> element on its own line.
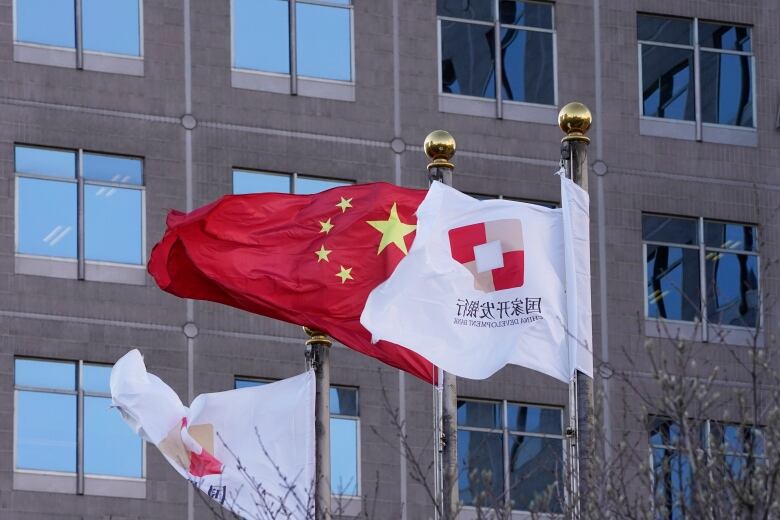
<point x="575" y="120"/>
<point x="439" y="146"/>
<point x="318" y="357"/>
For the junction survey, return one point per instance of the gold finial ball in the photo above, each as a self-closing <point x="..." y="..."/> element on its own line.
<point x="439" y="145"/>
<point x="575" y="119"/>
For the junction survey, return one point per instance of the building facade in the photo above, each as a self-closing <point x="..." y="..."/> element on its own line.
<point x="112" y="114"/>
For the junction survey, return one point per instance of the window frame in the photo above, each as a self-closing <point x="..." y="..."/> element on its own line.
<point x="702" y="329"/>
<point x="697" y="130"/>
<point x="80" y="268"/>
<point x="77" y="57"/>
<point x="59" y="481"/>
<point x="293" y="83"/>
<point x="506" y="434"/>
<point x="497" y="107"/>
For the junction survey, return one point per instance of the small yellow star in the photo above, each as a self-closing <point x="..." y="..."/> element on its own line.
<point x="393" y="230"/>
<point x="344" y="204"/>
<point x="326" y="226"/>
<point x="345" y="274"/>
<point x="322" y="254"/>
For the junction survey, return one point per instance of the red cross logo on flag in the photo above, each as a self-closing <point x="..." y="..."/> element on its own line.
<point x="492" y="252"/>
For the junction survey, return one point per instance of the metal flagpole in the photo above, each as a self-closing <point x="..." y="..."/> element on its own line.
<point x="439" y="146"/>
<point x="318" y="357"/>
<point x="575" y="120"/>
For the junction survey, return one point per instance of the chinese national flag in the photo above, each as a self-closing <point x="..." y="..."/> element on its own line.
<point x="306" y="259"/>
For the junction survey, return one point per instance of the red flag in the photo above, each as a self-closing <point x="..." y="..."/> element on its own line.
<point x="306" y="259"/>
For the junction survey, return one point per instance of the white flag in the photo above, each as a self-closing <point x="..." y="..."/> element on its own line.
<point x="487" y="283"/>
<point x="269" y="428"/>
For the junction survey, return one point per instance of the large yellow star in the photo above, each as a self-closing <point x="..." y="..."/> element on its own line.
<point x="326" y="226"/>
<point x="322" y="254"/>
<point x="393" y="230"/>
<point x="345" y="273"/>
<point x="344" y="204"/>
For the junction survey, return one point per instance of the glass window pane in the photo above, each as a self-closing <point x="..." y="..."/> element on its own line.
<point x="257" y="182"/>
<point x="728" y="37"/>
<point x="672" y="476"/>
<point x="667" y="84"/>
<point x="479" y="414"/>
<point x="467" y="59"/>
<point x="343" y="456"/>
<point x="738" y="237"/>
<point x="664" y="432"/>
<point x="657" y="228"/>
<point x="480" y="468"/>
<point x="732" y="289"/>
<point x="309" y="185"/>
<point x="525" y="13"/>
<point x="466" y="9"/>
<point x="110" y="447"/>
<point x="48" y="22"/>
<point x="534" y="420"/>
<point x="112" y="168"/>
<point x="261" y="35"/>
<point x="44" y="161"/>
<point x="113" y="225"/>
<point x="246" y="383"/>
<point x="95" y="378"/>
<point x="528" y="66"/>
<point x="662" y="29"/>
<point x="535" y="466"/>
<point x="47" y="218"/>
<point x="673" y="283"/>
<point x="343" y="401"/>
<point x="112" y="27"/>
<point x="45" y="374"/>
<point x="324" y="42"/>
<point x="46" y="431"/>
<point x="726" y="89"/>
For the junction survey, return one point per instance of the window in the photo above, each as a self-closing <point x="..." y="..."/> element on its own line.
<point x="469" y="34"/>
<point x="248" y="181"/>
<point x="79" y="215"/>
<point x="65" y="425"/>
<point x="509" y="451"/>
<point x="731" y="449"/>
<point x="543" y="203"/>
<point x="698" y="72"/>
<point x="102" y="38"/>
<point x="344" y="437"/>
<point x="684" y="255"/>
<point x="305" y="44"/>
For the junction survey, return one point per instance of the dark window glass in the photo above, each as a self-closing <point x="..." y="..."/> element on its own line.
<point x="673" y="230"/>
<point x="525" y="13"/>
<point x="343" y="401"/>
<point x="534" y="420"/>
<point x="479" y="414"/>
<point x="466" y="9"/>
<point x="46" y="218"/>
<point x="727" y="91"/>
<point x="110" y="447"/>
<point x="344" y="456"/>
<point x="672" y="476"/>
<point x="112" y="27"/>
<point x="480" y="468"/>
<point x="468" y="59"/>
<point x="664" y="432"/>
<point x="667" y="84"/>
<point x="662" y="29"/>
<point x="112" y="224"/>
<point x="95" y="378"/>
<point x="246" y="383"/>
<point x="738" y="237"/>
<point x="60" y="375"/>
<point x="673" y="283"/>
<point x="42" y="161"/>
<point x="732" y="289"/>
<point x="46" y="22"/>
<point x="535" y="465"/>
<point x="324" y="48"/>
<point x="260" y="35"/>
<point x="259" y="182"/>
<point x="45" y="431"/>
<point x="528" y="66"/>
<point x="309" y="185"/>
<point x="727" y="37"/>
<point x="112" y="168"/>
